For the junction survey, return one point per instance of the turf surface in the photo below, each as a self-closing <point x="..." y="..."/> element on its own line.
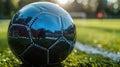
<point x="104" y="34"/>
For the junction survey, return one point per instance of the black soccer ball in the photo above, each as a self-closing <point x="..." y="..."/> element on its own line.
<point x="41" y="33"/>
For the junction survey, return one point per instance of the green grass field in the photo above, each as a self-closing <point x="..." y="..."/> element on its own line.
<point x="103" y="34"/>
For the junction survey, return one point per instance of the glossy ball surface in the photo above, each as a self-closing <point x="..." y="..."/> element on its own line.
<point x="41" y="33"/>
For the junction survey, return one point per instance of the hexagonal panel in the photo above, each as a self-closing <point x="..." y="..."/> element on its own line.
<point x="59" y="52"/>
<point x="25" y="15"/>
<point x="46" y="30"/>
<point x="18" y="39"/>
<point x="54" y="8"/>
<point x="35" y="55"/>
<point x="69" y="30"/>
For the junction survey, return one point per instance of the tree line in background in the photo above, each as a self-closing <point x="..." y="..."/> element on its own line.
<point x="10" y="7"/>
<point x="110" y="8"/>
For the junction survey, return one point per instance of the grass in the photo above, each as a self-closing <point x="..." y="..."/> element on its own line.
<point x="100" y="33"/>
<point x="104" y="34"/>
<point x="3" y="34"/>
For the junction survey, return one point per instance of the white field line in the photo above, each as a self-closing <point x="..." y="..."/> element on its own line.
<point x="94" y="50"/>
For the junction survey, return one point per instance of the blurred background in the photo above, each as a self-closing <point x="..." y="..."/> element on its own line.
<point x="77" y="8"/>
<point x="98" y="32"/>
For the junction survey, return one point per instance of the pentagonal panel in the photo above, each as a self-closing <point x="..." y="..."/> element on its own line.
<point x="46" y="30"/>
<point x="18" y="39"/>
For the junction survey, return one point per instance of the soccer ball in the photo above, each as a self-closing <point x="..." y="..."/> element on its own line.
<point x="41" y="33"/>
